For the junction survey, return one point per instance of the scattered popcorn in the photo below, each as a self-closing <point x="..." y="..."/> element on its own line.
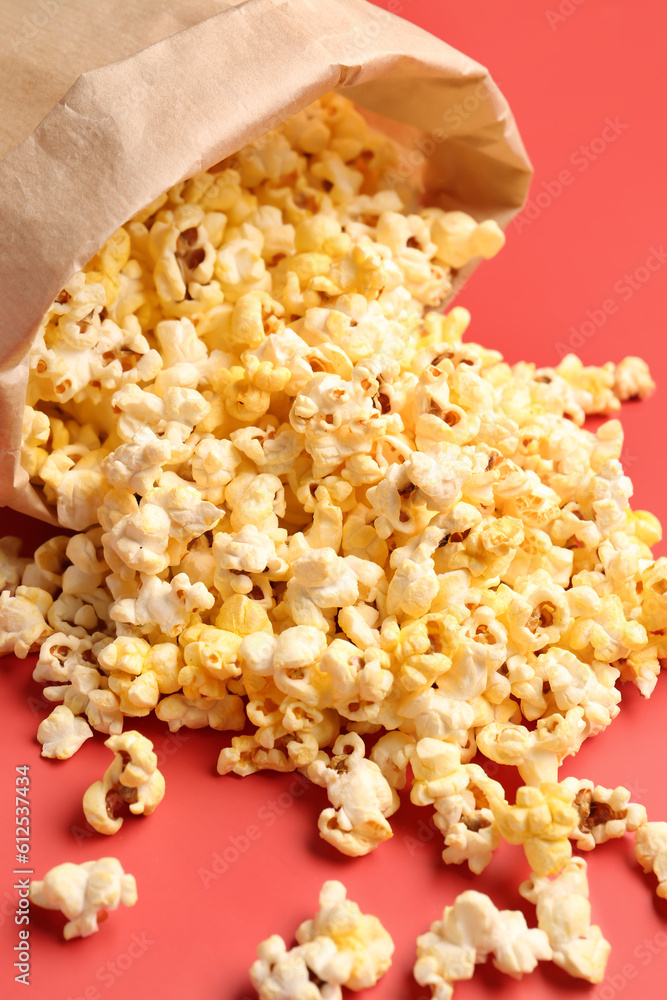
<point x="564" y="913"/>
<point x="132" y="779"/>
<point x="340" y="947"/>
<point x="471" y="930"/>
<point x="62" y="733"/>
<point x="84" y="893"/>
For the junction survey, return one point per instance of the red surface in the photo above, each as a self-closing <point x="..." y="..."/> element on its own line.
<point x="565" y="67"/>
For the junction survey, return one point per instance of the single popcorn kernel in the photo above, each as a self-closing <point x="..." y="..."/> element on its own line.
<point x="85" y="893"/>
<point x="471" y="930"/>
<point x="132" y="780"/>
<point x="340" y="947"/>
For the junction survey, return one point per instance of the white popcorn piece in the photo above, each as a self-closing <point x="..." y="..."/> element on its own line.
<point x="321" y="580"/>
<point x="459" y="238"/>
<point x="438" y="772"/>
<point x="62" y="733"/>
<point x="604" y="813"/>
<point x="651" y="852"/>
<point x="467" y="821"/>
<point x="564" y="914"/>
<point x="85" y="893"/>
<point x="341" y="946"/>
<point x="392" y="754"/>
<point x="363" y="948"/>
<point x="132" y="779"/>
<point x="23" y="622"/>
<point x="360" y="796"/>
<point x="168" y="603"/>
<point x="360" y="681"/>
<point x="632" y="379"/>
<point x="471" y="930"/>
<point x="279" y="974"/>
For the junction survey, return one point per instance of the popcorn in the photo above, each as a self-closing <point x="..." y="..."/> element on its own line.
<point x="11" y="566"/>
<point x="22" y="620"/>
<point x="437" y="770"/>
<point x="458" y="238"/>
<point x="360" y="680"/>
<point x="651" y="852"/>
<point x="363" y="947"/>
<point x="392" y="753"/>
<point x="471" y="930"/>
<point x="169" y="603"/>
<point x="604" y="813"/>
<point x="564" y="913"/>
<point x="302" y="503"/>
<point x="321" y="580"/>
<point x="279" y="974"/>
<point x="340" y="947"/>
<point x="632" y="379"/>
<point x="62" y="733"/>
<point x="467" y="821"/>
<point x="218" y="713"/>
<point x="133" y="779"/>
<point x="360" y="796"/>
<point x="84" y="893"/>
<point x="542" y="820"/>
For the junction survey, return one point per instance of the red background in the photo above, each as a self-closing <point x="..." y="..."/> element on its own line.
<point x="565" y="66"/>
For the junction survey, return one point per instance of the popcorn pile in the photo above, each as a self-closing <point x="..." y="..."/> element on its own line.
<point x="302" y="504"/>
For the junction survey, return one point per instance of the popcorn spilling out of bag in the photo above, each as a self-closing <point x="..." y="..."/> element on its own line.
<point x="302" y="503"/>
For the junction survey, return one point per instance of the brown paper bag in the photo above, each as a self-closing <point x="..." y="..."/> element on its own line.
<point x="191" y="84"/>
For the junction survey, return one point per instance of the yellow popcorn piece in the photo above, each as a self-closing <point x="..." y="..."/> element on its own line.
<point x="542" y="819"/>
<point x="12" y="567"/>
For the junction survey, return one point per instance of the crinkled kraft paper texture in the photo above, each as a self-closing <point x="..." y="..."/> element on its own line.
<point x="183" y="96"/>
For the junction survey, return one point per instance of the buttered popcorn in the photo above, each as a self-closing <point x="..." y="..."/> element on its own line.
<point x="306" y="512"/>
